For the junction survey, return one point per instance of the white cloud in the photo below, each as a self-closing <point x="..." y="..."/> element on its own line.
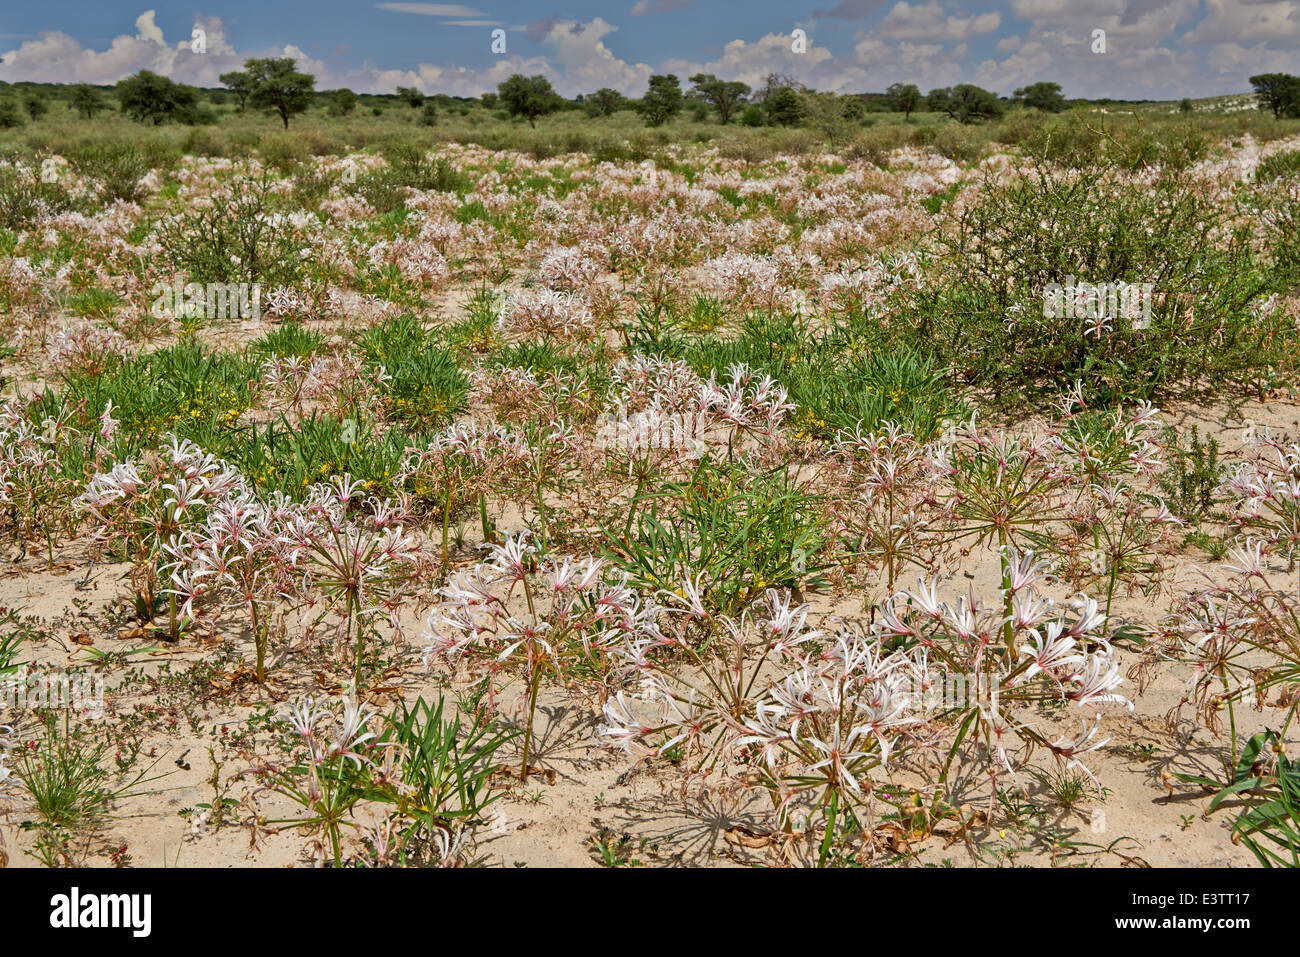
<point x="432" y="9"/>
<point x="148" y="30"/>
<point x="585" y="64"/>
<point x="659" y="6"/>
<point x="55" y="57"/>
<point x="1155" y="48"/>
<point x="751" y="62"/>
<point x="1234" y="22"/>
<point x="929" y="21"/>
<point x="925" y="64"/>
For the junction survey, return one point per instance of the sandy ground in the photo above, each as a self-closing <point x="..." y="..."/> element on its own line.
<point x="1140" y="817"/>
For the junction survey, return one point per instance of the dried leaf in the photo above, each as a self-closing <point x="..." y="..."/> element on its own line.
<point x="742" y="836"/>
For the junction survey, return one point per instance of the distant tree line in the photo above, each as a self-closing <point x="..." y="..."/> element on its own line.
<point x="275" y="85"/>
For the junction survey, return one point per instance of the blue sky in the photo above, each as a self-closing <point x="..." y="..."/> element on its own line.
<point x="1153" y="48"/>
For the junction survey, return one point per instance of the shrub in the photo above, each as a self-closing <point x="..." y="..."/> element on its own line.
<point x="236" y="241"/>
<point x="118" y="167"/>
<point x="23" y="197"/>
<point x="1022" y="236"/>
<point x="10" y="115"/>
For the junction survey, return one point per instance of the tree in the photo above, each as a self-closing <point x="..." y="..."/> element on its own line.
<point x="785" y="107"/>
<point x="1185" y="106"/>
<point x="773" y="84"/>
<point x="413" y="97"/>
<point x="725" y="96"/>
<point x="662" y="101"/>
<point x="35" y="104"/>
<point x="240" y="84"/>
<point x="964" y="102"/>
<point x="429" y="115"/>
<point x="829" y="114"/>
<point x="1279" y="92"/>
<point x="153" y="98"/>
<point x="343" y="102"/>
<point x="905" y="97"/>
<point x="1042" y="96"/>
<point x="605" y="102"/>
<point x="489" y="101"/>
<point x="10" y="115"/>
<point x="528" y="96"/>
<point x="278" y="86"/>
<point x="853" y="108"/>
<point x="86" y="100"/>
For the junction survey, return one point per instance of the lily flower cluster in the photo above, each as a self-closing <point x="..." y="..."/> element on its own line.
<point x="812" y="713"/>
<point x="574" y="609"/>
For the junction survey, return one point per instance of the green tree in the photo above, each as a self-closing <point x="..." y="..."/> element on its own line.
<point x="86" y="100"/>
<point x="489" y="101"/>
<point x="828" y="114"/>
<point x="278" y="86"/>
<point x="35" y="103"/>
<point x="1043" y="96"/>
<point x="905" y="97"/>
<point x="965" y="103"/>
<point x="1279" y="92"/>
<point x="429" y="115"/>
<point x="528" y="96"/>
<point x="10" y="115"/>
<point x="785" y="107"/>
<point x="773" y="84"/>
<point x="240" y="84"/>
<point x="727" y="97"/>
<point x="413" y="97"/>
<point x="853" y="108"/>
<point x="343" y="102"/>
<point x="662" y="101"/>
<point x="148" y="97"/>
<point x="1185" y="106"/>
<point x="605" y="102"/>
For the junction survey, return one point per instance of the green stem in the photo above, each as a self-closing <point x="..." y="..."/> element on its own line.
<point x="541" y="513"/>
<point x="489" y="535"/>
<point x="446" y="520"/>
<point x="361" y="637"/>
<point x="631" y="507"/>
<point x="259" y="640"/>
<point x="535" y="683"/>
<point x="1008" y="637"/>
<point x="830" y="829"/>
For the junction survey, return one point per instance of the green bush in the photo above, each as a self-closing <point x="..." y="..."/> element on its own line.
<point x="11" y="115"/>
<point x="426" y="386"/>
<point x="239" y="240"/>
<point x="23" y="197"/>
<point x="1283" y="165"/>
<point x="284" y="151"/>
<point x="117" y="167"/>
<point x="960" y="143"/>
<point x="985" y="310"/>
